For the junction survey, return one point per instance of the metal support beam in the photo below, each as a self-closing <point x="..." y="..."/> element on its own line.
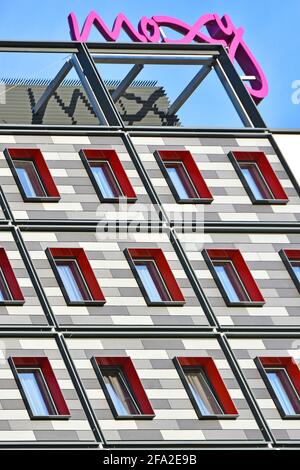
<point x="189" y="90"/>
<point x="52" y="87"/>
<point x="237" y="92"/>
<point x="165" y="59"/>
<point x="89" y="91"/>
<point x="98" y="93"/>
<point x="132" y="74"/>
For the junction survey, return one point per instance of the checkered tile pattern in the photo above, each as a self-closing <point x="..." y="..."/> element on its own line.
<point x="175" y="418"/>
<point x="231" y="202"/>
<point x="261" y="253"/>
<point x="147" y="339"/>
<point x="247" y="349"/>
<point x="31" y="313"/>
<point x="125" y="304"/>
<point x="79" y="201"/>
<point x="15" y="423"/>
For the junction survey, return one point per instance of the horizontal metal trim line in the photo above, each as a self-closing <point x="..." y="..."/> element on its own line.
<point x="261" y="334"/>
<point x="162" y="131"/>
<point x="240" y="228"/>
<point x="51" y="445"/>
<point x="185" y="445"/>
<point x="128" y="47"/>
<point x="291" y="331"/>
<point x="165" y="131"/>
<point x="140" y="333"/>
<point x="163" y="228"/>
<point x="285" y="131"/>
<point x="30" y="328"/>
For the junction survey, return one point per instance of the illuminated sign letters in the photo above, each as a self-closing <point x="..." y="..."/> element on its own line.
<point x="220" y="31"/>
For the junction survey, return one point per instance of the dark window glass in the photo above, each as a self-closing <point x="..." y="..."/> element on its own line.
<point x="181" y="180"/>
<point x="256" y="181"/>
<point x="284" y="390"/>
<point x="119" y="391"/>
<point x="73" y="280"/>
<point x="152" y="281"/>
<point x="202" y="391"/>
<point x="4" y="290"/>
<point x="105" y="179"/>
<point x="231" y="281"/>
<point x="36" y="391"/>
<point x="29" y="178"/>
<point x="296" y="268"/>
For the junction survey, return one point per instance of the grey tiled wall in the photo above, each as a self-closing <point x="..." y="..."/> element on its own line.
<point x="261" y="253"/>
<point x="31" y="313"/>
<point x="15" y="423"/>
<point x="175" y="418"/>
<point x="79" y="201"/>
<point x="247" y="349"/>
<point x="125" y="304"/>
<point x="231" y="202"/>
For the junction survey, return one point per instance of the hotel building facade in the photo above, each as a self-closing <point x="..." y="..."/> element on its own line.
<point x="150" y="273"/>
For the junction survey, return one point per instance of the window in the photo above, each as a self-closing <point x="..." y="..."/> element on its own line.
<point x="233" y="277"/>
<point x="181" y="181"/>
<point x="256" y="181"/>
<point x="230" y="280"/>
<point x="75" y="276"/>
<point x="205" y="387"/>
<point x="10" y="292"/>
<point x="282" y="378"/>
<point x="152" y="281"/>
<point x="29" y="178"/>
<point x="105" y="179"/>
<point x="183" y="176"/>
<point x="291" y="259"/>
<point x="119" y="391"/>
<point x="5" y="294"/>
<point x="258" y="178"/>
<point x="122" y="387"/>
<point x="39" y="387"/>
<point x="72" y="280"/>
<point x="107" y="175"/>
<point x="202" y="391"/>
<point x="32" y="175"/>
<point x="154" y="277"/>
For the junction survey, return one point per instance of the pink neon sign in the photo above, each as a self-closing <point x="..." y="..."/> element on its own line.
<point x="220" y="31"/>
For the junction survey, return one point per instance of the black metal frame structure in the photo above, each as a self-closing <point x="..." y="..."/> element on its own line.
<point x="84" y="57"/>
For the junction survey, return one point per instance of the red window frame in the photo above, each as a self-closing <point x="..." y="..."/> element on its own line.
<point x="218" y="386"/>
<point x="288" y="256"/>
<point x="157" y="255"/>
<point x="249" y="283"/>
<point x="87" y="272"/>
<point x="110" y="156"/>
<point x="185" y="157"/>
<point x="42" y="363"/>
<point x="280" y="196"/>
<point x="292" y="369"/>
<point x="136" y="386"/>
<point x="36" y="156"/>
<point x="11" y="281"/>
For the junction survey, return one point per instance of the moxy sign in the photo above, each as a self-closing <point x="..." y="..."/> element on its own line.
<point x="220" y="31"/>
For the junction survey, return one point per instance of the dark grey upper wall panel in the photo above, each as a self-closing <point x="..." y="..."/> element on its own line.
<point x="69" y="105"/>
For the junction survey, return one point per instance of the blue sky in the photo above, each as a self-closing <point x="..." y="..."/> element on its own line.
<point x="271" y="31"/>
